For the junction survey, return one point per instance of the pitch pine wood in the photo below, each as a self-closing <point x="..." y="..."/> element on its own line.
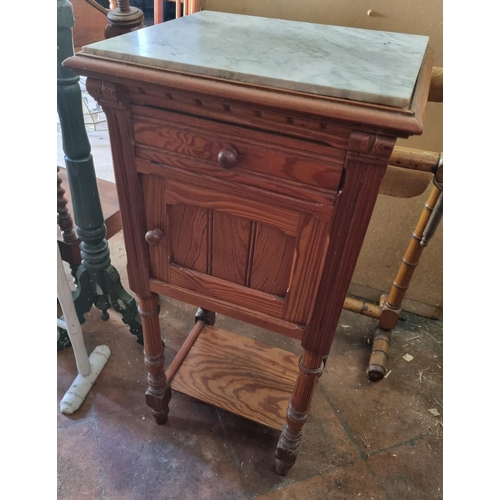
<point x="306" y="269"/>
<point x="187" y="233"/>
<point x="184" y="350"/>
<point x="255" y="190"/>
<point x="272" y="260"/>
<point x="156" y="219"/>
<point x="232" y="244"/>
<point x="229" y="308"/>
<point x="282" y="218"/>
<point x="302" y="188"/>
<point x="298" y="161"/>
<point x="240" y="375"/>
<point x="227" y="291"/>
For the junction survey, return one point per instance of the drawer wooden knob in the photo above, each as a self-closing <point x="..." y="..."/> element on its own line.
<point x="154" y="237"/>
<point x="228" y="157"/>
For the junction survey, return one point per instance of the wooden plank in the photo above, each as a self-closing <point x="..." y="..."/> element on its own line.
<point x="311" y="246"/>
<point x="344" y="112"/>
<point x="255" y="157"/>
<point x="365" y="168"/>
<point x="212" y="132"/>
<point x="230" y="247"/>
<point x="227" y="291"/>
<point x="180" y="193"/>
<point x="256" y="187"/>
<point x="272" y="260"/>
<point x="153" y="188"/>
<point x="188" y="236"/>
<point x="239" y="375"/>
<point x="221" y="109"/>
<point x="239" y="312"/>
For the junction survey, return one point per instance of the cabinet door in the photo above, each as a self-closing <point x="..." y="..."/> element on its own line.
<point x="261" y="257"/>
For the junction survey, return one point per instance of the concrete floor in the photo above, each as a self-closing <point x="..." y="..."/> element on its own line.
<point x="362" y="440"/>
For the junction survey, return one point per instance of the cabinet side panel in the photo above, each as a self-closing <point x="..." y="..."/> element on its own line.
<point x="365" y="166"/>
<point x="309" y="255"/>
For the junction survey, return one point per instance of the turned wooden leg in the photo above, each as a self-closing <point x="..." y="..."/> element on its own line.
<point x="68" y="234"/>
<point x="310" y="368"/>
<point x="158" y="393"/>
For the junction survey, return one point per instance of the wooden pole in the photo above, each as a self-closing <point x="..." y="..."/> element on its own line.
<point x="361" y="307"/>
<point x="415" y="159"/>
<point x="183" y="351"/>
<point x="391" y="309"/>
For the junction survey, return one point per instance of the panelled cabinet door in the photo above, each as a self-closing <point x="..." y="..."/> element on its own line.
<point x="258" y="256"/>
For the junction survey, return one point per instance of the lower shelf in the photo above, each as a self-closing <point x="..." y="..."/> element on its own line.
<point x="240" y="375"/>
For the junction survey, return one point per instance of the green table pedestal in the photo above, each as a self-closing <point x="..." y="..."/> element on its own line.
<point x="97" y="281"/>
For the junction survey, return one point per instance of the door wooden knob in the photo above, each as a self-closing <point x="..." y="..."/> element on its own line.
<point x="154" y="237"/>
<point x="228" y="157"/>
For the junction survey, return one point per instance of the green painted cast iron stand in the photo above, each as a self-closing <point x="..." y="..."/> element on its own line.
<point x="97" y="281"/>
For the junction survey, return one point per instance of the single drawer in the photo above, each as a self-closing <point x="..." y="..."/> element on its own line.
<point x="291" y="166"/>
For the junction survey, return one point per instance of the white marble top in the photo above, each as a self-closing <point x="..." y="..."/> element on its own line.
<point x="363" y="65"/>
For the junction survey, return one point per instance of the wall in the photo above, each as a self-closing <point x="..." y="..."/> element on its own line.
<point x="394" y="218"/>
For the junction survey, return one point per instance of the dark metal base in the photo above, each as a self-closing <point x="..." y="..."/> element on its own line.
<point x="111" y="295"/>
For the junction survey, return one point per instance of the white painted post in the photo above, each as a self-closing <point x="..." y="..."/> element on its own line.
<point x="89" y="368"/>
<point x="71" y="323"/>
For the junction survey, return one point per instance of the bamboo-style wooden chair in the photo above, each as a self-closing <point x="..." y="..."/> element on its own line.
<point x="389" y="310"/>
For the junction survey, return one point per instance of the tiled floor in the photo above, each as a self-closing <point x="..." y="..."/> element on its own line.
<point x="362" y="441"/>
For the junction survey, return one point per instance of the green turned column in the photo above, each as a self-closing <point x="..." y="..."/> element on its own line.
<point x="98" y="282"/>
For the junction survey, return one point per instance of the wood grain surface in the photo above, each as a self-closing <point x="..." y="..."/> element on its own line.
<point x="272" y="260"/>
<point x="188" y="233"/>
<point x="230" y="247"/>
<point x="290" y="214"/>
<point x="228" y="308"/>
<point x="317" y="202"/>
<point x="240" y="375"/>
<point x="234" y="204"/>
<point x="226" y="291"/>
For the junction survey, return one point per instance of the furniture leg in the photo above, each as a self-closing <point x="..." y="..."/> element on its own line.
<point x="391" y="310"/>
<point x="310" y="368"/>
<point x="98" y="283"/>
<point x="158" y="393"/>
<point x="68" y="233"/>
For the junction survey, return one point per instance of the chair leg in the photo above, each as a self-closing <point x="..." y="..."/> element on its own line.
<point x="68" y="234"/>
<point x="391" y="310"/>
<point x="158" y="393"/>
<point x="310" y="368"/>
